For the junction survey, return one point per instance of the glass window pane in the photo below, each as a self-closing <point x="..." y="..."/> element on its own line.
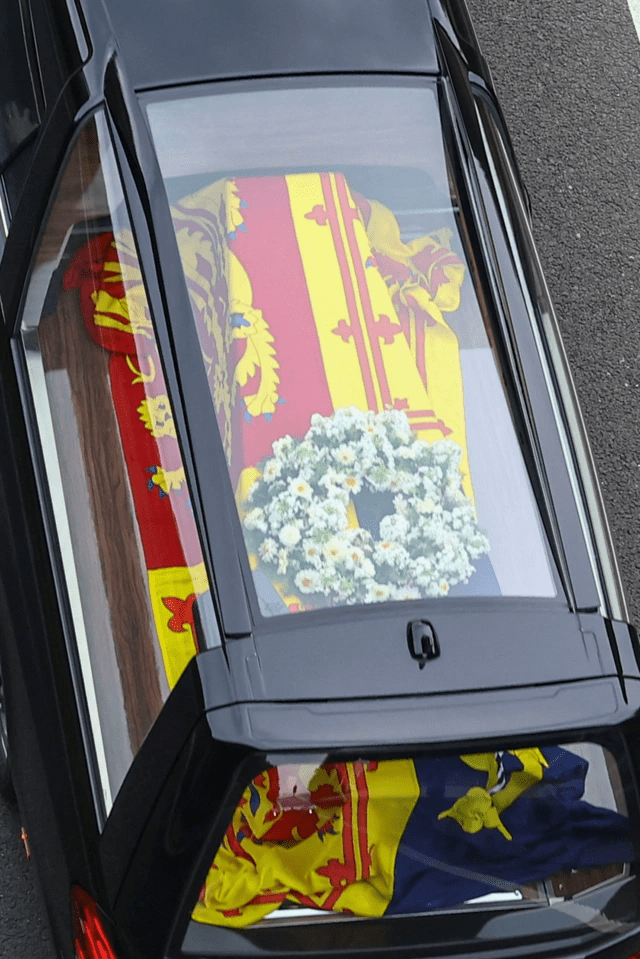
<point x="129" y="545"/>
<point x="418" y="835"/>
<point x="343" y="324"/>
<point x="18" y="113"/>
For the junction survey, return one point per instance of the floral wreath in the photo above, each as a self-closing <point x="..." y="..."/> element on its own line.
<point x="305" y="513"/>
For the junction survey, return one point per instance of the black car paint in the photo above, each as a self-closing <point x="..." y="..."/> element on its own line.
<point x="77" y="63"/>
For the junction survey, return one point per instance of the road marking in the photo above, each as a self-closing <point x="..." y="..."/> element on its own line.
<point x="634" y="7"/>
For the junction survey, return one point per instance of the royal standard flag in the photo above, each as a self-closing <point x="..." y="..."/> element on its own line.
<point x="406" y="836"/>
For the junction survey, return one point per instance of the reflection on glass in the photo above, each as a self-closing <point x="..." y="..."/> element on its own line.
<point x="366" y="429"/>
<point x="415" y="835"/>
<point x="132" y="559"/>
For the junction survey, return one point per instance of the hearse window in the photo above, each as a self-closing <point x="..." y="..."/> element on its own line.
<point x="18" y="111"/>
<point x="123" y="520"/>
<point x="347" y="341"/>
<point x="336" y="842"/>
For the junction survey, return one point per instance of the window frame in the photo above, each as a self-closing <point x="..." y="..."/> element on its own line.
<point x="513" y="392"/>
<point x="514" y="208"/>
<point x="36" y="402"/>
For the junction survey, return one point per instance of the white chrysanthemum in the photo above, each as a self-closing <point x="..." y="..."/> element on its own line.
<point x="344" y="588"/>
<point x="404" y="593"/>
<point x="424" y="546"/>
<point x="280" y="507"/>
<point x="256" y="519"/>
<point x="392" y="553"/>
<point x="312" y="552"/>
<point x="410" y="453"/>
<point x="424" y="571"/>
<point x="373" y="430"/>
<point x="377" y="592"/>
<point x="352" y="484"/>
<point x="330" y="477"/>
<point x="326" y="515"/>
<point x="283" y="446"/>
<point x="289" y="535"/>
<point x="271" y="471"/>
<point x="379" y="477"/>
<point x="365" y="570"/>
<point x="404" y="482"/>
<point x="344" y="455"/>
<point x="300" y="488"/>
<point x="308" y="581"/>
<point x="394" y="527"/>
<point x="336" y="549"/>
<point x="335" y="510"/>
<point x="425" y="505"/>
<point x="354" y="557"/>
<point x="268" y="549"/>
<point x="478" y="545"/>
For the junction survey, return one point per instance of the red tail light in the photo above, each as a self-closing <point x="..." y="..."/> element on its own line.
<point x="89" y="936"/>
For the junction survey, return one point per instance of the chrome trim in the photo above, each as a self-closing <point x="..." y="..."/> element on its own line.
<point x="54" y="492"/>
<point x="585" y="489"/>
<point x="4" y="211"/>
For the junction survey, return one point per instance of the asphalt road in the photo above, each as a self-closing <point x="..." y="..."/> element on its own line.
<point x="568" y="77"/>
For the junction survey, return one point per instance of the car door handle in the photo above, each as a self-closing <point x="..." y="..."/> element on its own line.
<point x="423" y="642"/>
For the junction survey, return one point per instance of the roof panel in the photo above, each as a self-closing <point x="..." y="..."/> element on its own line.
<point x="179" y="41"/>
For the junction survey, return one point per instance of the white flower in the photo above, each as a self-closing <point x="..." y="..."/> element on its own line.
<point x="354" y="557"/>
<point x="330" y="514"/>
<point x="255" y="519"/>
<point x="377" y="592"/>
<point x="312" y="552"/>
<point x="289" y="535"/>
<point x="344" y="455"/>
<point x="423" y="571"/>
<point x="336" y="511"/>
<point x="271" y="471"/>
<point x="404" y="593"/>
<point x="331" y="477"/>
<point x="344" y="588"/>
<point x="380" y="476"/>
<point x="268" y="549"/>
<point x="283" y="446"/>
<point x="308" y="581"/>
<point x="394" y="527"/>
<point x="408" y="452"/>
<point x="423" y="547"/>
<point x="336" y="549"/>
<point x="364" y="570"/>
<point x="392" y="553"/>
<point x="305" y="452"/>
<point x="299" y="488"/>
<point x="352" y="484"/>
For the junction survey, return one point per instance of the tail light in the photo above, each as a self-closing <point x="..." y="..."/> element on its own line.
<point x="89" y="936"/>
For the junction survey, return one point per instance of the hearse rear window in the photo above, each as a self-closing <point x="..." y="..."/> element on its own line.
<point x="368" y="437"/>
<point x="517" y="827"/>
